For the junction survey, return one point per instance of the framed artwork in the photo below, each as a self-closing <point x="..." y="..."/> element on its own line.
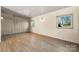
<point x="64" y="21"/>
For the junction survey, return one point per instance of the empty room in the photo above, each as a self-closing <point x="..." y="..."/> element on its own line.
<point x="39" y="29"/>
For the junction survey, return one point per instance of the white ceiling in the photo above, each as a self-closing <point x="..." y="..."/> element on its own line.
<point x="32" y="11"/>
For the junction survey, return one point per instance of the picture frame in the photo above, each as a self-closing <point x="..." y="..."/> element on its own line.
<point x="65" y="21"/>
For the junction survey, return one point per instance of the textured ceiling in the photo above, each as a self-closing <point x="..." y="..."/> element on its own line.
<point x="32" y="11"/>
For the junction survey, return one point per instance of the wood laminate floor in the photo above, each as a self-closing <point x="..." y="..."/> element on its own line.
<point x="30" y="42"/>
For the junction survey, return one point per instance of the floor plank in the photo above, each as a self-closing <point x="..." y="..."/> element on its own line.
<point x="30" y="42"/>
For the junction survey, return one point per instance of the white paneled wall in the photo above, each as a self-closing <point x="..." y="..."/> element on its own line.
<point x="13" y="24"/>
<point x="48" y="26"/>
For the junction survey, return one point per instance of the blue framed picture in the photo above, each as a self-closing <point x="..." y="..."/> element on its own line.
<point x="64" y="21"/>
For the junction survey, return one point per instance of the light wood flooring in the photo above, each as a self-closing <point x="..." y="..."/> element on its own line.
<point x="30" y="42"/>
